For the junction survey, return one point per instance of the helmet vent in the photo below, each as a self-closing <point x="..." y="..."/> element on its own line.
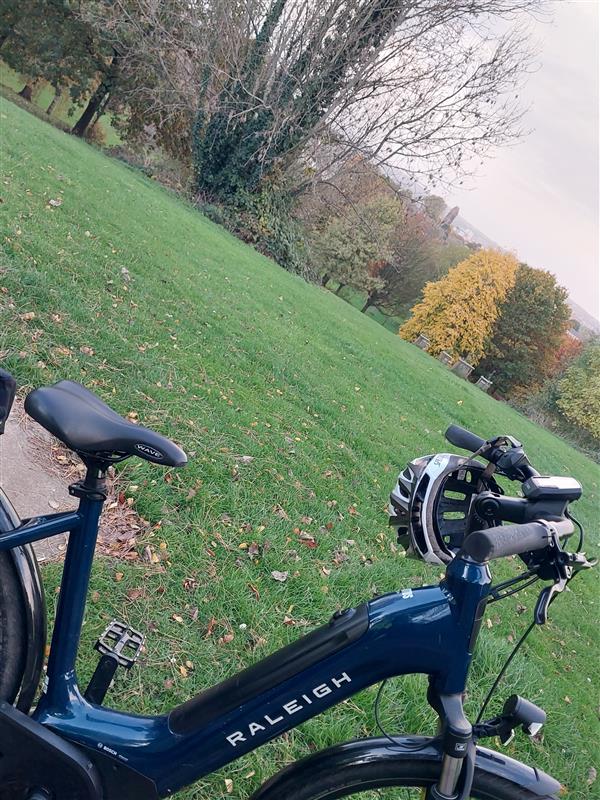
<point x="451" y="495"/>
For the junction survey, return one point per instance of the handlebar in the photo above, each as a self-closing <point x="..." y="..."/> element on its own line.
<point x="503" y="451"/>
<point x="512" y="540"/>
<point x="460" y="437"/>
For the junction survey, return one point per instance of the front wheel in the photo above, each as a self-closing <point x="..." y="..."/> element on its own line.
<point x="13" y="633"/>
<point x="403" y="779"/>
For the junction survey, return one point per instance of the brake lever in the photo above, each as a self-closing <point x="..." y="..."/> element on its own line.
<point x="547" y="595"/>
<point x="566" y="566"/>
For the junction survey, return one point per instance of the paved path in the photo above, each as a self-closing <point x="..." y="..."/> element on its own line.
<point x="29" y="478"/>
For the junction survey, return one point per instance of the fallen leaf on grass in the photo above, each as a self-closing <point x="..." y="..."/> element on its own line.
<point x="307" y="539"/>
<point x="280" y="512"/>
<point x="55" y="203"/>
<point x="228" y="785"/>
<point x="254" y="591"/>
<point x="280" y="576"/>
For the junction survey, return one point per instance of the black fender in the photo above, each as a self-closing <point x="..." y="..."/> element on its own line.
<point x="363" y="753"/>
<point x="34" y="605"/>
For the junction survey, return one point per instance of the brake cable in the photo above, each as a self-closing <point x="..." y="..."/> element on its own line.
<point x="392" y="739"/>
<point x="500" y="675"/>
<point x="526" y="579"/>
<point x="579" y="526"/>
<point x="534" y="622"/>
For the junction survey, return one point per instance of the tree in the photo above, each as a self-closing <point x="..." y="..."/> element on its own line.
<point x="10" y="13"/>
<point x="522" y="347"/>
<point x="570" y="347"/>
<point x="579" y="391"/>
<point x="100" y="97"/>
<point x="410" y="265"/>
<point x="459" y="311"/>
<point x="62" y="50"/>
<point x="153" y="67"/>
<point x="418" y="257"/>
<point x="350" y="247"/>
<point x="435" y="207"/>
<point x="285" y="80"/>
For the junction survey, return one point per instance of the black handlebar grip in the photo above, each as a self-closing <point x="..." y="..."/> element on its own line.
<point x="460" y="437"/>
<point x="506" y="540"/>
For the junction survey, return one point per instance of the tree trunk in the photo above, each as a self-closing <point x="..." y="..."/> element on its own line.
<point x="98" y="100"/>
<point x="370" y="301"/>
<point x="339" y="288"/>
<point x="54" y="101"/>
<point x="95" y="103"/>
<point x="325" y="279"/>
<point x="27" y="92"/>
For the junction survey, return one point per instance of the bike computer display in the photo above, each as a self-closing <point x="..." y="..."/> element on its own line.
<point x="552" y="487"/>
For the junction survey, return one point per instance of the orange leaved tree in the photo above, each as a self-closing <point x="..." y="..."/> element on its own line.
<point x="458" y="312"/>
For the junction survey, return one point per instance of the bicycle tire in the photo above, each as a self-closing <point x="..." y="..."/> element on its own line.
<point x="364" y="781"/>
<point x="13" y="636"/>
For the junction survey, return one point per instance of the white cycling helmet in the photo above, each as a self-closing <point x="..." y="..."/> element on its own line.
<point x="431" y="505"/>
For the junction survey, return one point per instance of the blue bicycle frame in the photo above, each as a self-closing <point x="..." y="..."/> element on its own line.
<point x="430" y="630"/>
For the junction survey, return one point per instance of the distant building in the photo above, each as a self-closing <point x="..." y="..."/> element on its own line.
<point x="446" y="223"/>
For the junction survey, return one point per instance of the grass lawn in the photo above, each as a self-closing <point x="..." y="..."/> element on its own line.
<point x="357" y="299"/>
<point x="230" y="355"/>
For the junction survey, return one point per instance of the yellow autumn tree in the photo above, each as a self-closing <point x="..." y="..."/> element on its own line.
<point x="458" y="312"/>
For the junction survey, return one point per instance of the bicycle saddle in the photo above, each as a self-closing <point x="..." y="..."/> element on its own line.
<point x="85" y="424"/>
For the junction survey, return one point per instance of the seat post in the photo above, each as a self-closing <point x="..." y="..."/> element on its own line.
<point x="62" y="680"/>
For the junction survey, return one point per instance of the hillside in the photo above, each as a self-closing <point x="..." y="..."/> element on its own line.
<point x="581" y="315"/>
<point x="297" y="412"/>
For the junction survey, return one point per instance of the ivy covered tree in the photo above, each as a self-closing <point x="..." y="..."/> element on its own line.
<point x="286" y="80"/>
<point x="458" y="312"/>
<point x="523" y="345"/>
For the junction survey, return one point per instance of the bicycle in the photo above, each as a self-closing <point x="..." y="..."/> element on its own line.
<point x="70" y="746"/>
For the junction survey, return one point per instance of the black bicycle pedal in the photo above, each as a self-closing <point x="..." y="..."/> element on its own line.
<point x="119" y="646"/>
<point x="121" y="642"/>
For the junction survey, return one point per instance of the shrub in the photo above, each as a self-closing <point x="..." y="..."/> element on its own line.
<point x="579" y="391"/>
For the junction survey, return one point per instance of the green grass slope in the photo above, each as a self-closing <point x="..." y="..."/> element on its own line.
<point x="166" y="315"/>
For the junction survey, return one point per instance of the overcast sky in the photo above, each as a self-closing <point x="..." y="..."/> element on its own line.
<point x="540" y="197"/>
